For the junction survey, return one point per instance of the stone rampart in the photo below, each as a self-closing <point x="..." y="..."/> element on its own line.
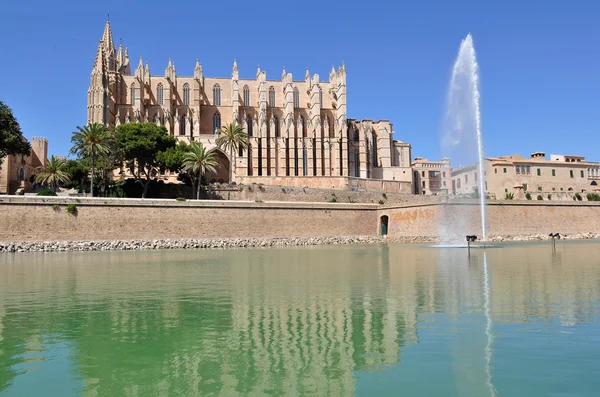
<point x="46" y="218"/>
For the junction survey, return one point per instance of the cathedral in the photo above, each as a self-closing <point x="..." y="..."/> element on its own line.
<point x="298" y="129"/>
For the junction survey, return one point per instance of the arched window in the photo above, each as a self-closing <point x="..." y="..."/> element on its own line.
<point x="271" y="97"/>
<point x="186" y="94"/>
<point x="246" y="96"/>
<point x="216" y="122"/>
<point x="159" y="94"/>
<point x="132" y="90"/>
<point x="249" y="125"/>
<point x="303" y="126"/>
<point x="216" y="95"/>
<point x="296" y="98"/>
<point x="276" y="122"/>
<point x="375" y="157"/>
<point x="321" y="97"/>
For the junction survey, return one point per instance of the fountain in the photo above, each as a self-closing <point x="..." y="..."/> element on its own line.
<point x="462" y="140"/>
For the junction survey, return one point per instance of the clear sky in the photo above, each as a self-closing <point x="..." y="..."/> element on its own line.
<point x="539" y="60"/>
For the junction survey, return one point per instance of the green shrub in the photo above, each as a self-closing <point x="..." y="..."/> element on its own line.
<point x="528" y="196"/>
<point x="593" y="197"/>
<point x="509" y="196"/>
<point x="46" y="192"/>
<point x="578" y="196"/>
<point x="381" y="202"/>
<point x="56" y="207"/>
<point x="549" y="196"/>
<point x="539" y="197"/>
<point x="332" y="200"/>
<point x="180" y="199"/>
<point x="72" y="209"/>
<point x="258" y="201"/>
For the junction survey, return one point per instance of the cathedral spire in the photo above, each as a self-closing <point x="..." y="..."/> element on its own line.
<point x="107" y="38"/>
<point x="234" y="70"/>
<point x="283" y="73"/>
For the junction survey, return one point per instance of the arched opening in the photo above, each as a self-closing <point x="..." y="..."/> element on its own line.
<point x="384" y="220"/>
<point x="594" y="183"/>
<point x="222" y="174"/>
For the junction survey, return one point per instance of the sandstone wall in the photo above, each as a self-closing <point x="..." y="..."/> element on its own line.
<point x="508" y="219"/>
<point x="38" y="219"/>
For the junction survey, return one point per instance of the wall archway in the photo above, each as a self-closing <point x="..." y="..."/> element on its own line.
<point x="222" y="174"/>
<point x="384" y="225"/>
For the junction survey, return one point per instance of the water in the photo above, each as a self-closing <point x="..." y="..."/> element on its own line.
<point x="381" y="320"/>
<point x="463" y="131"/>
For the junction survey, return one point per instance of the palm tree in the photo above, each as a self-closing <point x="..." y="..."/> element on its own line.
<point x="91" y="140"/>
<point x="233" y="137"/>
<point x="53" y="173"/>
<point x="198" y="161"/>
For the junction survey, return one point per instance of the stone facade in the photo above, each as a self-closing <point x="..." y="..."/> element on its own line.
<point x="296" y="127"/>
<point x="17" y="172"/>
<point x="560" y="176"/>
<point x="431" y="177"/>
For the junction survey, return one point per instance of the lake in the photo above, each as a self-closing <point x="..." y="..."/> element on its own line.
<point x="372" y="320"/>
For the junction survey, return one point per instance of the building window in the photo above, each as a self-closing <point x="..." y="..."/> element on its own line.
<point x="182" y="125"/>
<point x="246" y="96"/>
<point x="571" y="173"/>
<point x="159" y="94"/>
<point x="186" y="94"/>
<point x="216" y="122"/>
<point x="296" y="98"/>
<point x="505" y="190"/>
<point x="423" y="184"/>
<point x="539" y="188"/>
<point x="271" y="97"/>
<point x="582" y="173"/>
<point x="495" y="170"/>
<point x="249" y="125"/>
<point x="553" y="189"/>
<point x="276" y="123"/>
<point x="458" y="183"/>
<point x="505" y="170"/>
<point x="539" y="172"/>
<point x="553" y="172"/>
<point x="216" y="95"/>
<point x="423" y="174"/>
<point x="132" y="90"/>
<point x="518" y="167"/>
<point x="443" y="175"/>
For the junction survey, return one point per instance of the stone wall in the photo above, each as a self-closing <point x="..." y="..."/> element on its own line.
<point x="330" y="182"/>
<point x="46" y="218"/>
<point x="503" y="219"/>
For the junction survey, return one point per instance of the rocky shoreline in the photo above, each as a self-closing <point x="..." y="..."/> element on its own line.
<point x="164" y="244"/>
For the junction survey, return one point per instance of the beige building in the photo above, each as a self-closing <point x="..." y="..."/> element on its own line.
<point x="297" y="128"/>
<point x="561" y="176"/>
<point x="431" y="177"/>
<point x="16" y="172"/>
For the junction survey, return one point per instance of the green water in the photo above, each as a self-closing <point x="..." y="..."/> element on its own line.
<point x="381" y="320"/>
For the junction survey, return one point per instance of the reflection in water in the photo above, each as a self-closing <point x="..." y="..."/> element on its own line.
<point x="314" y="321"/>
<point x="488" y="326"/>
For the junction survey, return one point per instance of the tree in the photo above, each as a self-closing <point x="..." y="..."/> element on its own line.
<point x="53" y="173"/>
<point x="11" y="137"/>
<point x="232" y="138"/>
<point x="89" y="141"/>
<point x="198" y="161"/>
<point x="80" y="174"/>
<point x="141" y="145"/>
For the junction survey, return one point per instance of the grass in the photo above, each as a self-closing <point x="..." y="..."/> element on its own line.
<point x="509" y="196"/>
<point x="56" y="207"/>
<point x="46" y="192"/>
<point x="72" y="209"/>
<point x="180" y="199"/>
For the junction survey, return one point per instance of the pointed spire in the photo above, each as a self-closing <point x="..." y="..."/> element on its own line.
<point x="234" y="71"/>
<point x="141" y="64"/>
<point x="120" y="57"/>
<point x="307" y="75"/>
<point x="198" y="70"/>
<point x="258" y="71"/>
<point x="235" y="66"/>
<point x="99" y="59"/>
<point x="107" y="38"/>
<point x="283" y="73"/>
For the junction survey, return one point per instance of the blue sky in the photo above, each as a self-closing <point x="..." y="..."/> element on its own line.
<point x="539" y="60"/>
